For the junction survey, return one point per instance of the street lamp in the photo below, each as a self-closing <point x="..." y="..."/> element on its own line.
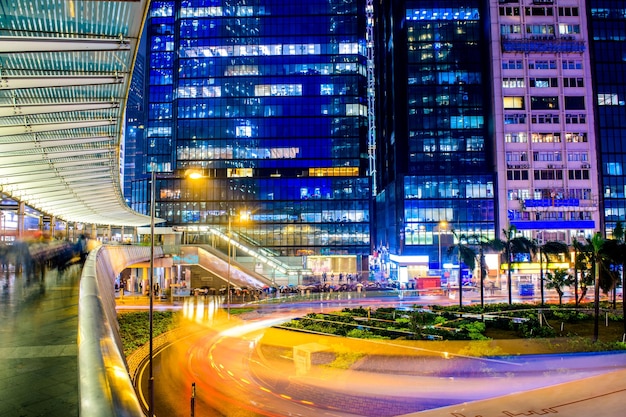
<point x="195" y="174"/>
<point x="243" y="216"/>
<point x="150" y="293"/>
<point x="229" y="263"/>
<point x="442" y="225"/>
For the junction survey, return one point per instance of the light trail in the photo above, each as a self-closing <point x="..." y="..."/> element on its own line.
<point x="240" y="372"/>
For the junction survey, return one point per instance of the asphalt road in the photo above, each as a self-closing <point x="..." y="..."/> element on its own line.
<point x="231" y="380"/>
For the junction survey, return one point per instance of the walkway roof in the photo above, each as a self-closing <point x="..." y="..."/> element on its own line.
<point x="65" y="69"/>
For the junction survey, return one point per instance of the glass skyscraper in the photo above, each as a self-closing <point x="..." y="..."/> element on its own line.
<point x="434" y="162"/>
<point x="268" y="101"/>
<point x="608" y="45"/>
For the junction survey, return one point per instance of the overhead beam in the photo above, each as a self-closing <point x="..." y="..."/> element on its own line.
<point x="57" y="167"/>
<point x="20" y="44"/>
<point x="51" y="156"/>
<point x="31" y="109"/>
<point x="44" y="144"/>
<point x="69" y="176"/>
<point x="50" y="182"/>
<point x="9" y="82"/>
<point x="35" y="148"/>
<point x="50" y="127"/>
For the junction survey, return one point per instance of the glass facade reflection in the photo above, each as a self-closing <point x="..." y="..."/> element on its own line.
<point x="267" y="99"/>
<point x="608" y="36"/>
<point x="434" y="163"/>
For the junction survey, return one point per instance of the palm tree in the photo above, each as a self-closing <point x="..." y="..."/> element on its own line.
<point x="576" y="246"/>
<point x="583" y="254"/>
<point x="596" y="242"/>
<point x="484" y="244"/>
<point x="549" y="248"/>
<point x="616" y="250"/>
<point x="557" y="280"/>
<point x="467" y="256"/>
<point x="599" y="256"/>
<point x="513" y="245"/>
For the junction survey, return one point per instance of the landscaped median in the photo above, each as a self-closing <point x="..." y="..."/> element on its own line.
<point x="367" y="360"/>
<point x="499" y="329"/>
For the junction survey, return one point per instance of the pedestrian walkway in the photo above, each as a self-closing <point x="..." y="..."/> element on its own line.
<point x="38" y="344"/>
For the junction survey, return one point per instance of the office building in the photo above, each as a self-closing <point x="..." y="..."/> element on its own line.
<point x="607" y="39"/>
<point x="485" y="119"/>
<point x="267" y="100"/>
<point x="435" y="166"/>
<point x="544" y="119"/>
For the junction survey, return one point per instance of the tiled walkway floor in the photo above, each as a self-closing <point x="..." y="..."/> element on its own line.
<point x="38" y="344"/>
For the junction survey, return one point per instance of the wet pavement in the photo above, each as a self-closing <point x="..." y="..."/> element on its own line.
<point x="38" y="344"/>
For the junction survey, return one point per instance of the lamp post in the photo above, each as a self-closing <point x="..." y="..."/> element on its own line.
<point x="228" y="272"/>
<point x="195" y="174"/>
<point x="150" y="294"/>
<point x="442" y="224"/>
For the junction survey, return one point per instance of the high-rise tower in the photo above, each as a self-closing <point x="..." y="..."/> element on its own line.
<point x="608" y="46"/>
<point x="544" y="119"/>
<point x="435" y="167"/>
<point x="268" y="101"/>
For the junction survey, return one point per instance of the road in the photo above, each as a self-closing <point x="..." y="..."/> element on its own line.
<point x="233" y="380"/>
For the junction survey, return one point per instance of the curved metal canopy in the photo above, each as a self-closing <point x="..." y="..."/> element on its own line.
<point x="65" y="69"/>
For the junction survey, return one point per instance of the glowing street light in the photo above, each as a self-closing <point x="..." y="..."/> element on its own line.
<point x="195" y="174"/>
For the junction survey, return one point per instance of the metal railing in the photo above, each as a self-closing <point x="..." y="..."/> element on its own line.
<point x="105" y="387"/>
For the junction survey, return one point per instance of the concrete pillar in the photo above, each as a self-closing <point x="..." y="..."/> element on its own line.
<point x="94" y="231"/>
<point x="20" y="220"/>
<point x="145" y="280"/>
<point x="167" y="275"/>
<point x="52" y="226"/>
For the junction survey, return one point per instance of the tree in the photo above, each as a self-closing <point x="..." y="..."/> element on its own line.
<point x="467" y="256"/>
<point x="557" y="280"/>
<point x="596" y="242"/>
<point x="484" y="244"/>
<point x="513" y="245"/>
<point x="547" y="249"/>
<point x="616" y="251"/>
<point x="578" y="266"/>
<point x="596" y="258"/>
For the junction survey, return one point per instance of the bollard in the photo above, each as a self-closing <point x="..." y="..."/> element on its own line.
<point x="193" y="399"/>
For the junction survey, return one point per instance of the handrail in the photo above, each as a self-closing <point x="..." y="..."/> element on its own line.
<point x="257" y="254"/>
<point x="105" y="387"/>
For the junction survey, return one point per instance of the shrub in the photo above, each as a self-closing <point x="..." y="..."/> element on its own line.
<point x="531" y="328"/>
<point x="475" y="330"/>
<point x="364" y="334"/>
<point x="568" y="316"/>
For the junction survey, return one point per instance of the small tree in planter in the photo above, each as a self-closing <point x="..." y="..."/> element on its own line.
<point x="557" y="280"/>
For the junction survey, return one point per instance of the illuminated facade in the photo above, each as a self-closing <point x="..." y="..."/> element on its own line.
<point x="435" y="164"/>
<point x="608" y="47"/>
<point x="267" y="99"/>
<point x="544" y="119"/>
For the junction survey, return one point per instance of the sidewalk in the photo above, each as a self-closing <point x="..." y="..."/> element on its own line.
<point x="38" y="348"/>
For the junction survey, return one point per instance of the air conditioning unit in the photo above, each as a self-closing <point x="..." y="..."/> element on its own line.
<point x="551" y="166"/>
<point x="586" y="166"/>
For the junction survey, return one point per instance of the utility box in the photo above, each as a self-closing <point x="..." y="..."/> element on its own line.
<point x="526" y="290"/>
<point x="311" y="354"/>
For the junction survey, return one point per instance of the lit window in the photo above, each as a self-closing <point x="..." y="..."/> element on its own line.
<point x="516" y="102"/>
